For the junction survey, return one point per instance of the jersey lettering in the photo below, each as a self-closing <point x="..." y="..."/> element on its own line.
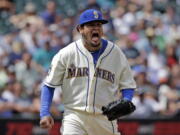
<point x="104" y="74"/>
<point x="83" y="71"/>
<point x="77" y="72"/>
<point x="71" y="72"/>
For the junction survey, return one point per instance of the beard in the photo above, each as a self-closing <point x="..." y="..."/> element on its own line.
<point x="90" y="42"/>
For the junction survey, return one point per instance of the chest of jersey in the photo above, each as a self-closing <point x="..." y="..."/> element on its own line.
<point x="86" y="86"/>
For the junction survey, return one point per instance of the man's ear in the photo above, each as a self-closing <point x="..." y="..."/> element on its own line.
<point x="78" y="28"/>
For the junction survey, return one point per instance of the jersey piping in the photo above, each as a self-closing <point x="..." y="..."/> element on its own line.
<point x="88" y="74"/>
<point x="97" y="78"/>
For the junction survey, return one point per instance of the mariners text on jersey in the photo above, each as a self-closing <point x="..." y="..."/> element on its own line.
<point x="84" y="71"/>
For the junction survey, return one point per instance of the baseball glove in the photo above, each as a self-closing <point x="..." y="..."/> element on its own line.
<point x="118" y="109"/>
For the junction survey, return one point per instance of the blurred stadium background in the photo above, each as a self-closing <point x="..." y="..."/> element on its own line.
<point x="148" y="31"/>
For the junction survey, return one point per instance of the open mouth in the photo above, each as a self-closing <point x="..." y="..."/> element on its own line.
<point x="95" y="36"/>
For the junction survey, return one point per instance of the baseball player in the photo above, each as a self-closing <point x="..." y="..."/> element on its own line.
<point x="89" y="71"/>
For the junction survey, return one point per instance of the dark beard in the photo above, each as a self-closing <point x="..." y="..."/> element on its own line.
<point x="89" y="43"/>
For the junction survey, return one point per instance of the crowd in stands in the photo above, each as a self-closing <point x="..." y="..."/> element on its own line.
<point x="148" y="32"/>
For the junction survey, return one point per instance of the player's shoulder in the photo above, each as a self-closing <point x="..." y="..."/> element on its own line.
<point x="116" y="51"/>
<point x="115" y="47"/>
<point x="67" y="50"/>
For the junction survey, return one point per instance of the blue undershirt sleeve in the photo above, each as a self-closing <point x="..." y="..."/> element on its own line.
<point x="46" y="100"/>
<point x="127" y="94"/>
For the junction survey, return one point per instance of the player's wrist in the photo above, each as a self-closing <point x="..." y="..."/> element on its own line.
<point x="127" y="94"/>
<point x="45" y="116"/>
<point x="126" y="99"/>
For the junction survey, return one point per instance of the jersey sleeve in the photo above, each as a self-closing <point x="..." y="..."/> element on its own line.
<point x="46" y="100"/>
<point x="56" y="72"/>
<point x="126" y="80"/>
<point x="127" y="94"/>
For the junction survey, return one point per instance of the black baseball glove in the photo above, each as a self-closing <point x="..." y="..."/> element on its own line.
<point x="118" y="108"/>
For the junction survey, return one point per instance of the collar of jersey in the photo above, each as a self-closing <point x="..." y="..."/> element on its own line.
<point x="86" y="52"/>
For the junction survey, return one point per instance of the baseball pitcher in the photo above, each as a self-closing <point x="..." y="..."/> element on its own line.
<point x="89" y="71"/>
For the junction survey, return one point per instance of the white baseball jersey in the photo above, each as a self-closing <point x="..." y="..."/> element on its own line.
<point x="86" y="87"/>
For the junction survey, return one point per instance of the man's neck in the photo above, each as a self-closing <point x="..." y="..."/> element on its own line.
<point x="92" y="48"/>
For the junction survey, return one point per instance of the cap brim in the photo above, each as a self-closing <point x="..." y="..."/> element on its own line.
<point x="102" y="21"/>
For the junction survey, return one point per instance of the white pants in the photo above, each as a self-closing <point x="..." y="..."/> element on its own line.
<point x="82" y="123"/>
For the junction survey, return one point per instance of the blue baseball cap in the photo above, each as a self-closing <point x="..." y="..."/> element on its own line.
<point x="91" y="15"/>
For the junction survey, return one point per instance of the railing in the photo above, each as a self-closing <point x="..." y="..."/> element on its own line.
<point x="21" y="126"/>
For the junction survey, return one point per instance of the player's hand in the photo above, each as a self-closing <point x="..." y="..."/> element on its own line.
<point x="47" y="122"/>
